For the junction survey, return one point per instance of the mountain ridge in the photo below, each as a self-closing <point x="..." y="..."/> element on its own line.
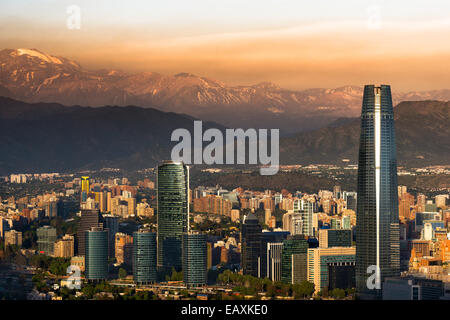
<point x="422" y="135"/>
<point x="34" y="76"/>
<point x="44" y="137"/>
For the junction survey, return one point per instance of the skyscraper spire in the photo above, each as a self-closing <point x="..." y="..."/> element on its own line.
<point x="377" y="230"/>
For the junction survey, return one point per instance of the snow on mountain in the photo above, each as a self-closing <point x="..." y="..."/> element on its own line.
<point x="36" y="53"/>
<point x="34" y="76"/>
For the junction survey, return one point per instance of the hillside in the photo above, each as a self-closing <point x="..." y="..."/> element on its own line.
<point x="422" y="134"/>
<point x="34" y="76"/>
<point x="50" y="137"/>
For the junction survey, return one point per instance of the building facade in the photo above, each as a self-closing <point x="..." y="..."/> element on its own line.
<point x="89" y="218"/>
<point x="274" y="251"/>
<point x="194" y="259"/>
<point x="335" y="238"/>
<point x="294" y="259"/>
<point x="46" y="240"/>
<point x="64" y="248"/>
<point x="123" y="248"/>
<point x="331" y="268"/>
<point x="173" y="212"/>
<point x="96" y="260"/>
<point x="377" y="230"/>
<point x="251" y="245"/>
<point x="144" y="256"/>
<point x="13" y="238"/>
<point x="111" y="223"/>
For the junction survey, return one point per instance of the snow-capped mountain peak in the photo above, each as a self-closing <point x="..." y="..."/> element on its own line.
<point x="34" y="76"/>
<point x="36" y="53"/>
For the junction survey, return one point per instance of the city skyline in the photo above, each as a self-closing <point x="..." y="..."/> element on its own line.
<point x="320" y="263"/>
<point x="204" y="150"/>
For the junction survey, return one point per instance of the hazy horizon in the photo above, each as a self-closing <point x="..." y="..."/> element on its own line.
<point x="296" y="45"/>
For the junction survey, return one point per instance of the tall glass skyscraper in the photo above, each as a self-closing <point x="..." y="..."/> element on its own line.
<point x="173" y="212"/>
<point x="251" y="244"/>
<point x="96" y="254"/>
<point x="377" y="230"/>
<point x="111" y="223"/>
<point x="266" y="256"/>
<point x="194" y="259"/>
<point x="144" y="256"/>
<point x="294" y="259"/>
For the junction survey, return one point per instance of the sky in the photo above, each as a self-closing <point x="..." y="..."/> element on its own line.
<point x="296" y="44"/>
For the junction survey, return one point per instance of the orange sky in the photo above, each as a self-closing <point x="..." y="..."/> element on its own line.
<point x="409" y="50"/>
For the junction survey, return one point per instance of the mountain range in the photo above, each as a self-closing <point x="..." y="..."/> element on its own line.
<point x="32" y="76"/>
<point x="43" y="137"/>
<point x="50" y="137"/>
<point x="422" y="138"/>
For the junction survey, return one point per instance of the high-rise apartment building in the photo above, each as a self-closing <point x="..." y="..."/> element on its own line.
<point x="307" y="210"/>
<point x="85" y="184"/>
<point x="64" y="248"/>
<point x="350" y="200"/>
<point x="123" y="248"/>
<point x="89" y="218"/>
<point x="51" y="208"/>
<point x="13" y="238"/>
<point x="172" y="212"/>
<point x="46" y="238"/>
<point x="377" y="233"/>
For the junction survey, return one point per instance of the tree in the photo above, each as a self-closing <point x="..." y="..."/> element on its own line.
<point x="338" y="293"/>
<point x="88" y="291"/>
<point x="304" y="289"/>
<point x="58" y="266"/>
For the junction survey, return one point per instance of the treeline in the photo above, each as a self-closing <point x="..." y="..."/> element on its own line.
<point x="56" y="266"/>
<point x="249" y="285"/>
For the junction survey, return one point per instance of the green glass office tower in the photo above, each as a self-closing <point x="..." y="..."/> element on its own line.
<point x="96" y="254"/>
<point x="46" y="240"/>
<point x="377" y="230"/>
<point x="194" y="259"/>
<point x="251" y="245"/>
<point x="173" y="212"/>
<point x="144" y="256"/>
<point x="294" y="259"/>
